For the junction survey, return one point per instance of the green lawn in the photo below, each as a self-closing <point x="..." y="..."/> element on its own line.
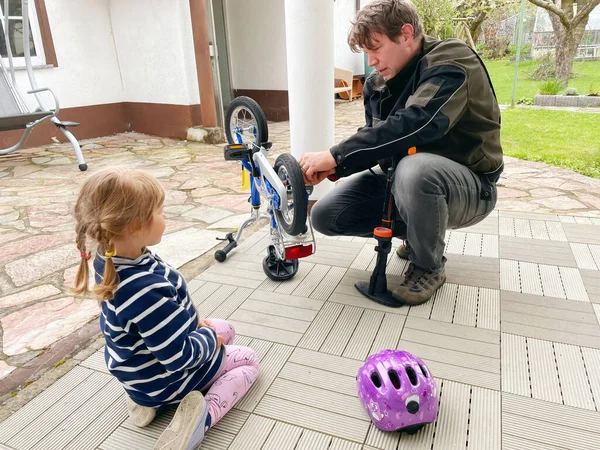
<point x="502" y="73"/>
<point x="560" y="138"/>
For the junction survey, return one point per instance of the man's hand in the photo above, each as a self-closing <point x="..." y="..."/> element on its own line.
<point x="317" y="177"/>
<point x="219" y="341"/>
<point x="317" y="166"/>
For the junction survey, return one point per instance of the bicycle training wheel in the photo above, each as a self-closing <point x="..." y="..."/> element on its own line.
<point x="276" y="269"/>
<point x="245" y="122"/>
<point x="293" y="221"/>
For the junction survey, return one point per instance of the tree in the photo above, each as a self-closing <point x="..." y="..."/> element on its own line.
<point x="479" y="10"/>
<point x="568" y="29"/>
<point x="436" y="17"/>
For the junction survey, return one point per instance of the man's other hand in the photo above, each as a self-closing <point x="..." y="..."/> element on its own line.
<point x="317" y="166"/>
<point x="317" y="177"/>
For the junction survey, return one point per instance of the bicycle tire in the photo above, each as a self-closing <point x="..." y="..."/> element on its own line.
<point x="295" y="181"/>
<point x="262" y="131"/>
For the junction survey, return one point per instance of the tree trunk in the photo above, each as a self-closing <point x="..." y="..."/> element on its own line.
<point x="566" y="49"/>
<point x="475" y="26"/>
<point x="567" y="39"/>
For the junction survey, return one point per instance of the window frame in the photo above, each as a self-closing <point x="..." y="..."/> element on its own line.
<point x="41" y="34"/>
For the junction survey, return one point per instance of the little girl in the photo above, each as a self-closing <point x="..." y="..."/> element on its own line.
<point x="156" y="346"/>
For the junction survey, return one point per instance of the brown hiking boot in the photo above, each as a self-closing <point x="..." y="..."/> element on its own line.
<point x="402" y="251"/>
<point x="419" y="285"/>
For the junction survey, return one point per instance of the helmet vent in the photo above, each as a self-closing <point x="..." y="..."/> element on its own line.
<point x="412" y="376"/>
<point x="376" y="380"/>
<point x="424" y="371"/>
<point x="394" y="378"/>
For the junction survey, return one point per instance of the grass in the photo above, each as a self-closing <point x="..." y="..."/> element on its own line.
<point x="502" y="73"/>
<point x="561" y="138"/>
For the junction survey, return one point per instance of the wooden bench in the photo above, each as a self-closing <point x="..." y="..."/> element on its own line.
<point x="343" y="83"/>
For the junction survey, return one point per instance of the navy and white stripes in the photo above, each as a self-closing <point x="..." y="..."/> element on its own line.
<point x="153" y="344"/>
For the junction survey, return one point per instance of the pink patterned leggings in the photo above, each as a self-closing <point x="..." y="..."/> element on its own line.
<point x="235" y="379"/>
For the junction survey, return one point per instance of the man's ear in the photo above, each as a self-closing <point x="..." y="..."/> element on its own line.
<point x="407" y="32"/>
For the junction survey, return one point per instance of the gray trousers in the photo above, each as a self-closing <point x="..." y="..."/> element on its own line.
<point x="431" y="193"/>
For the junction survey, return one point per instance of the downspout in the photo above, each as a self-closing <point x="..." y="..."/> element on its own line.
<point x="112" y="34"/>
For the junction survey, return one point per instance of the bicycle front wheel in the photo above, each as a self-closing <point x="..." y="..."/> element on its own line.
<point x="245" y="122"/>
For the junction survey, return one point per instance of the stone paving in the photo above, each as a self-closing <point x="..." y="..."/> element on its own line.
<point x="512" y="340"/>
<point x="41" y="325"/>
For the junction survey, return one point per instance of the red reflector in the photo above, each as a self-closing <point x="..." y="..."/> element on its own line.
<point x="298" y="251"/>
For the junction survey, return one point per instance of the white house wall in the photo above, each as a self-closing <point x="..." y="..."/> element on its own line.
<point x="256" y="34"/>
<point x="155" y="51"/>
<point x="344" y="58"/>
<point x="113" y="51"/>
<point x="88" y="73"/>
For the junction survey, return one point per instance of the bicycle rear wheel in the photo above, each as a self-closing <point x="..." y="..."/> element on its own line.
<point x="293" y="221"/>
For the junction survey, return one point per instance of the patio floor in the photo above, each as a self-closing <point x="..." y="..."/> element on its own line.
<point x="512" y="338"/>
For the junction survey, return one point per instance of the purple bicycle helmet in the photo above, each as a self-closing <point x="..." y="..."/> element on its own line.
<point x="397" y="391"/>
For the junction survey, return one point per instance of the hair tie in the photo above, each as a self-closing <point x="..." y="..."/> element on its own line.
<point x="85" y="255"/>
<point x="109" y="254"/>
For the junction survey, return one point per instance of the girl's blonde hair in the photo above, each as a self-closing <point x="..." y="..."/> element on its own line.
<point x="109" y="201"/>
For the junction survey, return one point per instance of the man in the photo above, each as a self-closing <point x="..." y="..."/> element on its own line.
<point x="430" y="106"/>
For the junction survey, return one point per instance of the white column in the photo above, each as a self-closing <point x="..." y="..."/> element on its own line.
<point x="309" y="45"/>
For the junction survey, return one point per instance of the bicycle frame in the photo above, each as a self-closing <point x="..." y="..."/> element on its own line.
<point x="267" y="183"/>
<point x="277" y="184"/>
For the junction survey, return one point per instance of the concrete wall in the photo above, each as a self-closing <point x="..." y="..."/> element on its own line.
<point x="344" y="58"/>
<point x="155" y="51"/>
<point x="112" y="51"/>
<point x="88" y="72"/>
<point x="257" y="43"/>
<point x="256" y="33"/>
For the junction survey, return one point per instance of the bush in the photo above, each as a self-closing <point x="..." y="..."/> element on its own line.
<point x="594" y="90"/>
<point x="525" y="101"/>
<point x="497" y="44"/>
<point x="525" y="52"/>
<point x="484" y="51"/>
<point x="551" y="86"/>
<point x="436" y="17"/>
<point x="571" y="91"/>
<point x="546" y="69"/>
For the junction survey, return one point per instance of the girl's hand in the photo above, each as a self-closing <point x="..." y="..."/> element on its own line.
<point x="206" y="323"/>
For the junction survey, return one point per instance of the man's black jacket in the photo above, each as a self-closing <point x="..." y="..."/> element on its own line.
<point x="442" y="102"/>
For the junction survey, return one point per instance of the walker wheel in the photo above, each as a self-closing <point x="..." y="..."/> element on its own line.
<point x="276" y="269"/>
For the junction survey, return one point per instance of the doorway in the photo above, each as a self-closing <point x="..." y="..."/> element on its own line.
<point x="219" y="57"/>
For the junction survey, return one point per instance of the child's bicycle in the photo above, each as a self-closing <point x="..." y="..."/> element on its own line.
<point x="281" y="185"/>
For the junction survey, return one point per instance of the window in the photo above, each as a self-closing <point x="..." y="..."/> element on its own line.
<point x="14" y="31"/>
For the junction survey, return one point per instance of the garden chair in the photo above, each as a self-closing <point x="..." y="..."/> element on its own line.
<point x="14" y="113"/>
